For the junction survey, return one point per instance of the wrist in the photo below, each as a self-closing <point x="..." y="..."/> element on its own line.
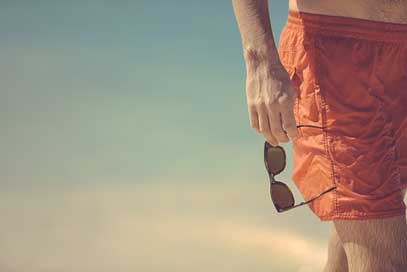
<point x="257" y="53"/>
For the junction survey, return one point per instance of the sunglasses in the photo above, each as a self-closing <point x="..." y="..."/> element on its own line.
<point x="281" y="195"/>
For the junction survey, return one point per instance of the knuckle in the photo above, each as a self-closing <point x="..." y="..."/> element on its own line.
<point x="279" y="134"/>
<point x="251" y="105"/>
<point x="283" y="138"/>
<point x="287" y="112"/>
<point x="264" y="129"/>
<point x="269" y="103"/>
<point x="261" y="103"/>
<point x="275" y="130"/>
<point x="290" y="125"/>
<point x="254" y="126"/>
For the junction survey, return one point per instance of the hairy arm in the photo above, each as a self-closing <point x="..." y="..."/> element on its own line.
<point x="270" y="95"/>
<point x="252" y="17"/>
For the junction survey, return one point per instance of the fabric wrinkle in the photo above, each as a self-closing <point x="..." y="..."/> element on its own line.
<point x="350" y="125"/>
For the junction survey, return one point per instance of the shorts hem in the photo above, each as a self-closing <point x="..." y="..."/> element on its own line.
<point x="361" y="216"/>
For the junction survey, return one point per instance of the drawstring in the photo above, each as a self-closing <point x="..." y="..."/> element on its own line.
<point x="309" y="126"/>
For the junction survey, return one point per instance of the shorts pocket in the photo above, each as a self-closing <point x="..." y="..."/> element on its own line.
<point x="292" y="72"/>
<point x="307" y="106"/>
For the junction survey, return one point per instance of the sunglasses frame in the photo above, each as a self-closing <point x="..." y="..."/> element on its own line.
<point x="267" y="146"/>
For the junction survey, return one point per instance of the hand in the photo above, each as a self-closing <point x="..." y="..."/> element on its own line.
<point x="270" y="101"/>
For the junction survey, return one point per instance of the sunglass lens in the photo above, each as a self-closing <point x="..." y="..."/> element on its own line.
<point x="281" y="195"/>
<point x="275" y="159"/>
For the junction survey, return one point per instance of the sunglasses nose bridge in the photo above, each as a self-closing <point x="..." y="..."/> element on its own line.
<point x="271" y="177"/>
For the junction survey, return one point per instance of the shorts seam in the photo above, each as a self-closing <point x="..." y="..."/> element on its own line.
<point x="349" y="35"/>
<point x="323" y="107"/>
<point x="390" y="132"/>
<point x="368" y="215"/>
<point x="297" y="101"/>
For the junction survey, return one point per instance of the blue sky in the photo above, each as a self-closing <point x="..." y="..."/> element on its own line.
<point x="114" y="113"/>
<point x="123" y="89"/>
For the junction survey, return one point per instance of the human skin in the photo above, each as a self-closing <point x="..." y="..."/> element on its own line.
<point x="368" y="245"/>
<point x="270" y="95"/>
<point x="391" y="11"/>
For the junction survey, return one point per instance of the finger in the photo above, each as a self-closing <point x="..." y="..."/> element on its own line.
<point x="275" y="126"/>
<point x="270" y="138"/>
<point x="263" y="121"/>
<point x="264" y="127"/>
<point x="289" y="122"/>
<point x="254" y="118"/>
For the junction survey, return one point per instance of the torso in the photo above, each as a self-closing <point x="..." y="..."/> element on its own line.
<point x="392" y="11"/>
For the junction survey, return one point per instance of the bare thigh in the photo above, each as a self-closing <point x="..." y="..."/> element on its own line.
<point x="374" y="244"/>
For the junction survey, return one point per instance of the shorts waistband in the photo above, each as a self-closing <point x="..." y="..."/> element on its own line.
<point x="332" y="25"/>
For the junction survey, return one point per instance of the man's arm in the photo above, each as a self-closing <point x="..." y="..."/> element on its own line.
<point x="253" y="20"/>
<point x="270" y="95"/>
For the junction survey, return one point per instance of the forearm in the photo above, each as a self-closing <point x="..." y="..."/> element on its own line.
<point x="252" y="17"/>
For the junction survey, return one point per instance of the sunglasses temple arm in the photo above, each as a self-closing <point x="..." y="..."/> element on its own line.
<point x="308" y="201"/>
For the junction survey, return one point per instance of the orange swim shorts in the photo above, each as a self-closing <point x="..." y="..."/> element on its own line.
<point x="350" y="75"/>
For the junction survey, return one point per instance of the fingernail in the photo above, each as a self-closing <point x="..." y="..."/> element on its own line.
<point x="275" y="144"/>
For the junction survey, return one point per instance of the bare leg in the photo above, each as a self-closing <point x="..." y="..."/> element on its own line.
<point x="374" y="245"/>
<point x="337" y="261"/>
